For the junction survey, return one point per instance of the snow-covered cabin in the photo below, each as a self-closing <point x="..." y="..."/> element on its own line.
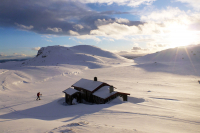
<point x="97" y="92"/>
<point x="88" y="87"/>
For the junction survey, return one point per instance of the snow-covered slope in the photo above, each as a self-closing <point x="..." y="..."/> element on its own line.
<point x="164" y="96"/>
<point x="180" y="60"/>
<point x="56" y="61"/>
<point x="85" y="55"/>
<point x="179" y="54"/>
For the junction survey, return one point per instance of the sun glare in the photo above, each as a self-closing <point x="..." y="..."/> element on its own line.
<point x="180" y="36"/>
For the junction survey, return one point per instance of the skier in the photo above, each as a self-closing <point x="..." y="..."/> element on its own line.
<point x="38" y="96"/>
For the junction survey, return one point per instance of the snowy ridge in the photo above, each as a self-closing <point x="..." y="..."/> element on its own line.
<point x="180" y="60"/>
<point x="179" y="54"/>
<point x="85" y="55"/>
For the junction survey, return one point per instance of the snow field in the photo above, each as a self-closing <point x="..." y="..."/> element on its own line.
<point x="164" y="96"/>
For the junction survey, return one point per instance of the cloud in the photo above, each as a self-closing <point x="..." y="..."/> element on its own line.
<point x="171" y="15"/>
<point x="75" y="18"/>
<point x="140" y="50"/>
<point x="73" y="33"/>
<point x="115" y="30"/>
<point x="36" y="48"/>
<point x="59" y="17"/>
<point x="24" y="27"/>
<point x="173" y="26"/>
<point x="111" y="12"/>
<point x="19" y="55"/>
<point x="108" y="39"/>
<point x="132" y="3"/>
<point x="122" y="20"/>
<point x="137" y="48"/>
<point x="100" y="22"/>
<point x="122" y="52"/>
<point x="143" y="39"/>
<point x="84" y="37"/>
<point x="76" y="40"/>
<point x="55" y="29"/>
<point x="49" y="40"/>
<point x="2" y="55"/>
<point x="78" y="27"/>
<point x="163" y="15"/>
<point x="194" y="3"/>
<point x="14" y="56"/>
<point x="161" y="45"/>
<point x="46" y="18"/>
<point x="123" y="31"/>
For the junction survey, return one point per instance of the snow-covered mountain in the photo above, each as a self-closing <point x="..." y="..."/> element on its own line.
<point x="86" y="55"/>
<point x="180" y="60"/>
<point x="178" y="54"/>
<point x="53" y="61"/>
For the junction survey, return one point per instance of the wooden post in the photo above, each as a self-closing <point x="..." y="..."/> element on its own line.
<point x="124" y="97"/>
<point x="111" y="89"/>
<point x="70" y="100"/>
<point x="95" y="78"/>
<point x="65" y="97"/>
<point x="80" y="97"/>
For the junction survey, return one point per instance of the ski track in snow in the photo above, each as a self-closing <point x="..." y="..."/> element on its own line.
<point x="21" y="79"/>
<point x="3" y="84"/>
<point x="24" y="78"/>
<point x="86" y="127"/>
<point x="20" y="75"/>
<point x="4" y="71"/>
<point x="56" y="76"/>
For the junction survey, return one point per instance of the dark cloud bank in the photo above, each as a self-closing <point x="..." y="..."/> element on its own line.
<point x="52" y="16"/>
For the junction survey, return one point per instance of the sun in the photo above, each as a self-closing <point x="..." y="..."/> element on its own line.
<point x="180" y="36"/>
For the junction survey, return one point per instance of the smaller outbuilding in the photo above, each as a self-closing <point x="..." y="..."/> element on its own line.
<point x="72" y="94"/>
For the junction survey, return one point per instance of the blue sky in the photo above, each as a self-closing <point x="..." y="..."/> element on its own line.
<point x="123" y="26"/>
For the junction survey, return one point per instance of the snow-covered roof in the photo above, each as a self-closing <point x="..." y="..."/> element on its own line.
<point x="104" y="92"/>
<point x="70" y="91"/>
<point x="87" y="84"/>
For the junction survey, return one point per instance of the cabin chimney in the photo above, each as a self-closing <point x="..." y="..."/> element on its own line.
<point x="111" y="89"/>
<point x="95" y="78"/>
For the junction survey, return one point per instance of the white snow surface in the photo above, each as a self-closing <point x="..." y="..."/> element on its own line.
<point x="183" y="54"/>
<point x="87" y="84"/>
<point x="164" y="96"/>
<point x="104" y="92"/>
<point x="83" y="55"/>
<point x="70" y="91"/>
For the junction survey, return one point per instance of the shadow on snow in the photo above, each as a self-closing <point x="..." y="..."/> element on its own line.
<point x="57" y="110"/>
